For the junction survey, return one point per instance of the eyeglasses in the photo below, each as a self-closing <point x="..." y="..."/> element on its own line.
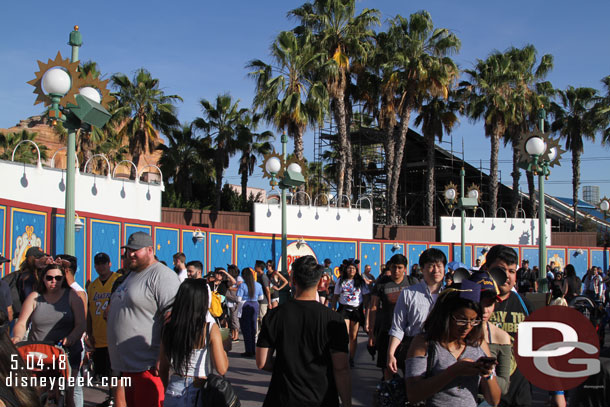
<point x="56" y="278"/>
<point x="464" y="322"/>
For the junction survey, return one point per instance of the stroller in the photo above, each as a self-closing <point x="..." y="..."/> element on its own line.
<point x="593" y="310"/>
<point x="49" y="360"/>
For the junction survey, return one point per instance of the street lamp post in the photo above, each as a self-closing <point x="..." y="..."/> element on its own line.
<point x="540" y="153"/>
<point x="290" y="175"/>
<point x="76" y="102"/>
<point x="604" y="206"/>
<point x="468" y="201"/>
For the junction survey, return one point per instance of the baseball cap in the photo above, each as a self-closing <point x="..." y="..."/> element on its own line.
<point x="35" y="252"/>
<point x="3" y="259"/>
<point x="488" y="286"/>
<point x="138" y="240"/>
<point x="101" y="258"/>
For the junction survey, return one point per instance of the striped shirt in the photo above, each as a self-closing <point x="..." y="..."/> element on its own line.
<point x="412" y="309"/>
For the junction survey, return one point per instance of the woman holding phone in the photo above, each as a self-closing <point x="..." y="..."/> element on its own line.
<point x="450" y="363"/>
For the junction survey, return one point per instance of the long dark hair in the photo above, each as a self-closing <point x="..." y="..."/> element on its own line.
<point x="438" y="324"/>
<point x="186" y="326"/>
<point x="248" y="275"/>
<point x="358" y="280"/>
<point x="42" y="288"/>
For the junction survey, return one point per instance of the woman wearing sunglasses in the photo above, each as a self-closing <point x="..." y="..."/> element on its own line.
<point x="57" y="315"/>
<point x="450" y="363"/>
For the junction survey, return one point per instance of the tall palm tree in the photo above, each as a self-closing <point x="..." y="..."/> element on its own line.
<point x="488" y="95"/>
<point x="436" y="116"/>
<point x="252" y="145"/>
<point x="222" y="120"/>
<point x="179" y="158"/>
<point x="286" y="93"/>
<point x="575" y="120"/>
<point x="344" y="37"/>
<point x="529" y="92"/>
<point x="419" y="67"/>
<point x="144" y="110"/>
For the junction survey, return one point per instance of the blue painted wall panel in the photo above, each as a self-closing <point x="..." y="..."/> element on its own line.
<point x="370" y="253"/>
<point x="79" y="246"/>
<point x="558" y="256"/>
<point x="133" y="228"/>
<point x="415" y="250"/>
<point x="252" y="248"/>
<point x="600" y="258"/>
<point x="4" y="268"/>
<point x="193" y="249"/>
<point x="389" y="251"/>
<point x="105" y="238"/>
<point x="166" y="245"/>
<point x="28" y="229"/>
<point x="457" y="254"/>
<point x="221" y="250"/>
<point x="579" y="261"/>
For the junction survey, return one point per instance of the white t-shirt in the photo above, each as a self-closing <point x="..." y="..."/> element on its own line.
<point x="349" y="294"/>
<point x="182" y="275"/>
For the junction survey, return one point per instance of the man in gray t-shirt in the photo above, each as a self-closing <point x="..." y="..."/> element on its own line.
<point x="135" y="321"/>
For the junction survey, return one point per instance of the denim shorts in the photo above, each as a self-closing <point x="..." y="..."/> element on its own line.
<point x="180" y="392"/>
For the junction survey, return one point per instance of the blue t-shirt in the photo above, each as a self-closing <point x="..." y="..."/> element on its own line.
<point x="242" y="292"/>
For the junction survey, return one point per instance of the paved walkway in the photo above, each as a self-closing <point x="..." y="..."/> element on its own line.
<point x="251" y="384"/>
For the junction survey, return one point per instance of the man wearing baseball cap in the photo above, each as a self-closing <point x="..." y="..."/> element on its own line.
<point x="135" y="321"/>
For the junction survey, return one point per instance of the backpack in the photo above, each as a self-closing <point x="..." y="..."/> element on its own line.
<point x="216" y="305"/>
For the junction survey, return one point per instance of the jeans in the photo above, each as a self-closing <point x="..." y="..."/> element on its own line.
<point x="180" y="392"/>
<point x="249" y="316"/>
<point x="78" y="393"/>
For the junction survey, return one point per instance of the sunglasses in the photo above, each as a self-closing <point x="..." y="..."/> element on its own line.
<point x="51" y="278"/>
<point x="464" y="322"/>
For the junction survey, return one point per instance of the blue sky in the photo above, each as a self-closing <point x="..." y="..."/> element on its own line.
<point x="198" y="49"/>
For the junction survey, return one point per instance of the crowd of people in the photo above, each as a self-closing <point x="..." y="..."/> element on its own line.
<point x="449" y="332"/>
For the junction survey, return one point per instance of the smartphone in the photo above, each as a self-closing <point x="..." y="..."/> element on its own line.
<point x="487" y="360"/>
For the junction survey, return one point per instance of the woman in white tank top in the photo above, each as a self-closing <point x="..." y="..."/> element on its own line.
<point x="190" y="346"/>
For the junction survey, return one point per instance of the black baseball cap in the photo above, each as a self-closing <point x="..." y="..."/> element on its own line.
<point x="101" y="258"/>
<point x="3" y="259"/>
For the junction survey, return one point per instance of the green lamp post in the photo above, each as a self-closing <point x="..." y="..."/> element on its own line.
<point x="470" y="200"/>
<point x="77" y="102"/>
<point x="539" y="154"/>
<point x="290" y="175"/>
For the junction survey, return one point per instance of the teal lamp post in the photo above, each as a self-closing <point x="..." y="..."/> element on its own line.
<point x="78" y="103"/>
<point x="539" y="154"/>
<point x="470" y="200"/>
<point x="285" y="174"/>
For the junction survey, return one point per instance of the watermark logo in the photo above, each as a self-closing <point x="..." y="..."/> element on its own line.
<point x="557" y="348"/>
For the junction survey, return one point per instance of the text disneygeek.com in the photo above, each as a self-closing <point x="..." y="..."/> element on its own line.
<point x="62" y="382"/>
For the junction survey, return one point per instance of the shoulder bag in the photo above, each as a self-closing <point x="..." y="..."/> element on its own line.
<point x="216" y="391"/>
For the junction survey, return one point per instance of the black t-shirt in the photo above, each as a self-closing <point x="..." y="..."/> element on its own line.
<point x="526" y="279"/>
<point x="388" y="292"/>
<point x="303" y="334"/>
<point x="6" y="299"/>
<point x="507" y="316"/>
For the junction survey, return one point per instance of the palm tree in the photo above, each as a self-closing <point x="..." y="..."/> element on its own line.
<point x="418" y="68"/>
<point x="343" y="36"/>
<point x="251" y="145"/>
<point x="436" y="116"/>
<point x="286" y="94"/>
<point x="529" y="92"/>
<point x="179" y="158"/>
<point x="575" y="120"/>
<point x="26" y="153"/>
<point x="144" y="110"/>
<point x="222" y="120"/>
<point x="488" y="95"/>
